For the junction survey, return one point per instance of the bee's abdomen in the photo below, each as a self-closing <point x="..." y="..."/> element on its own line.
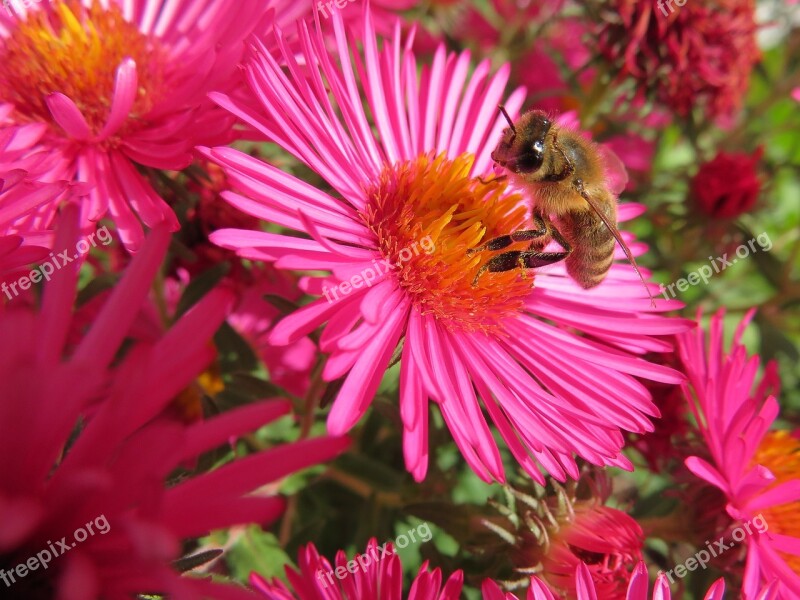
<point x="592" y="248"/>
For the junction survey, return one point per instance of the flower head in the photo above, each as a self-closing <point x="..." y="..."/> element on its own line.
<point x="699" y="54"/>
<point x="728" y="185"/>
<point x="585" y="589"/>
<point x="608" y="541"/>
<point x="101" y="448"/>
<point x="374" y="575"/>
<point x="757" y="470"/>
<point x="415" y="196"/>
<point x="551" y="534"/>
<point x="101" y="88"/>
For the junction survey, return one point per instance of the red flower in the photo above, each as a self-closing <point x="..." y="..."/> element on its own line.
<point x="727" y="186"/>
<point x="608" y="540"/>
<point x="698" y="54"/>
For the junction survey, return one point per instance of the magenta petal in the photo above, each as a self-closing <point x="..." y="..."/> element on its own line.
<point x="584" y="586"/>
<point x="60" y="293"/>
<point x="705" y="471"/>
<point x="782" y="493"/>
<point x="660" y="592"/>
<point x="363" y="380"/>
<point x="537" y="591"/>
<point x="639" y="582"/>
<point x="244" y="475"/>
<point x="208" y="434"/>
<point x="716" y="591"/>
<point x="99" y="345"/>
<point x="785" y="543"/>
<point x="68" y="116"/>
<point x="125" y="88"/>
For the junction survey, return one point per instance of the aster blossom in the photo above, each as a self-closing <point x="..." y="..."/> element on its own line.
<point x="728" y="185"/>
<point x="612" y="537"/>
<point x="18" y="191"/>
<point x="376" y="574"/>
<point x="695" y="55"/>
<point x="101" y="89"/>
<point x="396" y="243"/>
<point x="86" y="442"/>
<point x="756" y="469"/>
<point x="637" y="588"/>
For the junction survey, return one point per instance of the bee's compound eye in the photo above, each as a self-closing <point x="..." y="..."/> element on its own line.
<point x="531" y="161"/>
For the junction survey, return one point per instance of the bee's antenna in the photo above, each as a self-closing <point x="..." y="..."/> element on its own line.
<point x="505" y="114"/>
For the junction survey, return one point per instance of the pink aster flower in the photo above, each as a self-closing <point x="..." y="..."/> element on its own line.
<point x="611" y="537"/>
<point x="585" y="588"/>
<point x="17" y="190"/>
<point x="21" y="191"/>
<point x="103" y="89"/>
<point x="758" y="470"/>
<point x="23" y="188"/>
<point x="82" y="442"/>
<point x="254" y="317"/>
<point x="374" y="575"/>
<point x="552" y="365"/>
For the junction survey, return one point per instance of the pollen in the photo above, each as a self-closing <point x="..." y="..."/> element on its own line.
<point x="426" y="214"/>
<point x="780" y="453"/>
<point x="76" y="51"/>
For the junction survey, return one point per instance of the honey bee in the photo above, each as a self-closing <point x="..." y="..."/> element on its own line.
<point x="566" y="176"/>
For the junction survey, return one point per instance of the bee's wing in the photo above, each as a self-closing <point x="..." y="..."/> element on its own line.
<point x="615" y="173"/>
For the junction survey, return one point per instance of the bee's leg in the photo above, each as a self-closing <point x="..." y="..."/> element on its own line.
<point x="523" y="235"/>
<point x="557" y="236"/>
<point x="518" y="259"/>
<point x="494" y="179"/>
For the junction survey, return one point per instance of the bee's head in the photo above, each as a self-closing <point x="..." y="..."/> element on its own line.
<point x="522" y="147"/>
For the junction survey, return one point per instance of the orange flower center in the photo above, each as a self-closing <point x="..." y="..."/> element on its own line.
<point x="780" y="453"/>
<point x="426" y="214"/>
<point x="76" y="50"/>
<point x="188" y="404"/>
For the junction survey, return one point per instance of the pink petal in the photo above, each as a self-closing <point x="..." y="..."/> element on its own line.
<point x="68" y="116"/>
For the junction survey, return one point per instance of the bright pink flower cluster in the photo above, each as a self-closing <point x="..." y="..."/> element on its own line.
<point x="293" y="195"/>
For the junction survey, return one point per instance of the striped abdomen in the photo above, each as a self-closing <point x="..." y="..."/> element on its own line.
<point x="592" y="245"/>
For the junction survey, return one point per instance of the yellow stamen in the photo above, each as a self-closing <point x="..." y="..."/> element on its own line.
<point x="432" y="202"/>
<point x="189" y="402"/>
<point x="780" y="453"/>
<point x="76" y="51"/>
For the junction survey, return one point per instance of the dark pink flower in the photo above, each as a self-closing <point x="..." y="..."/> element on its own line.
<point x="585" y="589"/>
<point x="416" y="196"/>
<point x="86" y="438"/>
<point x="757" y="470"/>
<point x="728" y="185"/>
<point x="381" y="578"/>
<point x="101" y="90"/>
<point x="695" y="55"/>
